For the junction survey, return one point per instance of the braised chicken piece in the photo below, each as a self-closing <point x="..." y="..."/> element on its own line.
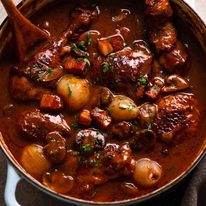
<point x="36" y="125"/>
<point x="143" y="140"/>
<point x="160" y="8"/>
<point x="45" y="65"/>
<point x="122" y="130"/>
<point x="162" y="36"/>
<point x="177" y="60"/>
<point x="117" y="160"/>
<point x="178" y="116"/>
<point x="114" y="161"/>
<point x="123" y="67"/>
<point x="22" y="89"/>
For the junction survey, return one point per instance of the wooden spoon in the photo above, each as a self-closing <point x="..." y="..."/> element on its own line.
<point x="26" y="33"/>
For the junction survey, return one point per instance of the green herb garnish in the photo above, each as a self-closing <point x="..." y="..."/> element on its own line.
<point x="49" y="70"/>
<point x="69" y="91"/>
<point x="81" y="45"/>
<point x="36" y="65"/>
<point x="40" y="78"/>
<point x="142" y="81"/>
<point x="75" y="153"/>
<point x="75" y="127"/>
<point x="89" y="38"/>
<point x="85" y="60"/>
<point x="86" y="148"/>
<point x="105" y="66"/>
<point x="155" y="87"/>
<point x="150" y="112"/>
<point x="109" y="111"/>
<point x="149" y="126"/>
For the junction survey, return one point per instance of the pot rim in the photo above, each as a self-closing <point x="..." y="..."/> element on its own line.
<point x="136" y="200"/>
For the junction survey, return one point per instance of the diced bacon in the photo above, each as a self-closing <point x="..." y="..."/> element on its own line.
<point x="85" y="118"/>
<point x="117" y="42"/>
<point x="51" y="102"/>
<point x="158" y="8"/>
<point x="105" y="47"/>
<point x="101" y="118"/>
<point x="75" y="66"/>
<point x="155" y="88"/>
<point x="111" y="44"/>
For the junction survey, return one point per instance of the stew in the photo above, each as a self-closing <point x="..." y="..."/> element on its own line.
<point x="111" y="107"/>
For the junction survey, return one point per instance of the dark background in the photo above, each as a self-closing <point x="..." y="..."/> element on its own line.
<point x="28" y="195"/>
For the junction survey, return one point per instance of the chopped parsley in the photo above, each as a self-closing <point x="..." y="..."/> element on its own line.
<point x="149" y="126"/>
<point x="75" y="127"/>
<point x="155" y="87"/>
<point x="81" y="45"/>
<point x="80" y="52"/>
<point x="142" y="81"/>
<point x="40" y="78"/>
<point x="150" y="112"/>
<point x="36" y="65"/>
<point x="69" y="91"/>
<point x="86" y="148"/>
<point x="105" y="66"/>
<point x="85" y="60"/>
<point x="75" y="153"/>
<point x="89" y="38"/>
<point x="49" y="70"/>
<point x="112" y="55"/>
<point x="96" y="162"/>
<point x="109" y="111"/>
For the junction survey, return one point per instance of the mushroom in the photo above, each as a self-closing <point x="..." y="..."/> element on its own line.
<point x="175" y="83"/>
<point x="89" y="140"/>
<point x="55" y="150"/>
<point x="58" y="181"/>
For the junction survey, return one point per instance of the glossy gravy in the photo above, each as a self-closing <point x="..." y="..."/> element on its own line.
<point x="174" y="159"/>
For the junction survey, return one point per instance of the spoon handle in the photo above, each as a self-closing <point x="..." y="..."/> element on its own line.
<point x="11" y="9"/>
<point x="26" y="33"/>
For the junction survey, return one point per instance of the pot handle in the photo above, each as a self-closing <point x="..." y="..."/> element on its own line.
<point x="191" y="3"/>
<point x="11" y="183"/>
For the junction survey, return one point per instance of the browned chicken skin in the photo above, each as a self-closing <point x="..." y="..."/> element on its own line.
<point x="45" y="65"/>
<point x="163" y="36"/>
<point x="176" y="60"/>
<point x="173" y="55"/>
<point x="114" y="161"/>
<point x="158" y="8"/>
<point x="23" y="89"/>
<point x="179" y="114"/>
<point x="36" y="125"/>
<point x="124" y="67"/>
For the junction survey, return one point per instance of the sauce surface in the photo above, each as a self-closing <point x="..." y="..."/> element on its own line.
<point x="173" y="156"/>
